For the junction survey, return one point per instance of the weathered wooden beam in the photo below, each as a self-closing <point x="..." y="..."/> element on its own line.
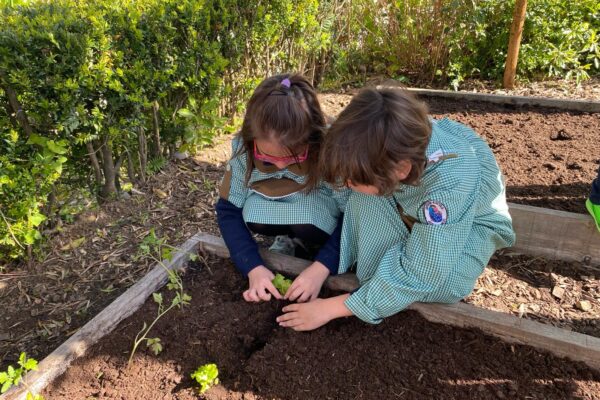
<point x="554" y="234"/>
<point x="562" y="104"/>
<point x="102" y="324"/>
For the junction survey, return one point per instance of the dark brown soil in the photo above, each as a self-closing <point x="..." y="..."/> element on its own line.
<point x="405" y="357"/>
<point x="549" y="157"/>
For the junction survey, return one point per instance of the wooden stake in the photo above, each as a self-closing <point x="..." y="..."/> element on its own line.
<point x="514" y="42"/>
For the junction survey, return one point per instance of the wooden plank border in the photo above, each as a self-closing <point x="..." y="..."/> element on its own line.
<point x="562" y="104"/>
<point x="102" y="324"/>
<point x="554" y="234"/>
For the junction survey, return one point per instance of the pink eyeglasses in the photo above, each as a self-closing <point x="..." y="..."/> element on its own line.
<point x="287" y="159"/>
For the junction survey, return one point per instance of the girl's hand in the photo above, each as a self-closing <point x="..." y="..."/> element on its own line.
<point x="261" y="288"/>
<point x="312" y="315"/>
<point x="307" y="285"/>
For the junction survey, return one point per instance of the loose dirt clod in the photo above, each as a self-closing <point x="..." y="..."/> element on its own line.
<point x="561" y="135"/>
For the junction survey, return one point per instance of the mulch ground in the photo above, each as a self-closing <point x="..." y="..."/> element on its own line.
<point x="547" y="157"/>
<point x="403" y="357"/>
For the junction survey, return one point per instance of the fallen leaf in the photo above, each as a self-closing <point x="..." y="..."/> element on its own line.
<point x="160" y="193"/>
<point x="534" y="307"/>
<point x="73" y="244"/>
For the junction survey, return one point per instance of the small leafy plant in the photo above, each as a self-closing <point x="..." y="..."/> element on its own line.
<point x="206" y="376"/>
<point x="154" y="248"/>
<point x="13" y="376"/>
<point x="281" y="283"/>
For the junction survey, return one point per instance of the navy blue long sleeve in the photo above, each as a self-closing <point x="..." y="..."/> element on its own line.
<point x="242" y="247"/>
<point x="329" y="254"/>
<point x="244" y="250"/>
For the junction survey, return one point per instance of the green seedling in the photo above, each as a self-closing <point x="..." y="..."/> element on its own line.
<point x="154" y="247"/>
<point x="13" y="376"/>
<point x="157" y="249"/>
<point x="154" y="345"/>
<point x="181" y="299"/>
<point x="281" y="283"/>
<point x="206" y="376"/>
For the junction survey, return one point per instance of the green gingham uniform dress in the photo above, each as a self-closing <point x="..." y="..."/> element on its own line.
<point x="461" y="219"/>
<point x="321" y="207"/>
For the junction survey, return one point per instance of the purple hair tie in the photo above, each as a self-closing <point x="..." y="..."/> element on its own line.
<point x="286" y="83"/>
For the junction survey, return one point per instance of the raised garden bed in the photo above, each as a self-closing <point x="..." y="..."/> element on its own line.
<point x="406" y="356"/>
<point x="512" y="329"/>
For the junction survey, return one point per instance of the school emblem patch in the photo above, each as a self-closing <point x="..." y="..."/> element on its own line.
<point x="435" y="213"/>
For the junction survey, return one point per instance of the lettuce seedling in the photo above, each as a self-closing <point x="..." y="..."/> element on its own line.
<point x="281" y="283"/>
<point x="206" y="376"/>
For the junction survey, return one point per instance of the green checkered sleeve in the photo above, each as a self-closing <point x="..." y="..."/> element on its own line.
<point x="410" y="271"/>
<point x="238" y="190"/>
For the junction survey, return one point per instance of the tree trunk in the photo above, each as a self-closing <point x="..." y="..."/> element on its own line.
<point x="516" y="30"/>
<point x="143" y="152"/>
<point x="109" y="189"/>
<point x="130" y="168"/>
<point x="30" y="260"/>
<point x="98" y="145"/>
<point x="18" y="111"/>
<point x="49" y="207"/>
<point x="156" y="150"/>
<point x="118" y="165"/>
<point x="95" y="164"/>
<point x="11" y="116"/>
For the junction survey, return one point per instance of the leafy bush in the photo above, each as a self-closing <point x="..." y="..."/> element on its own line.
<point x="94" y="94"/>
<point x="446" y="41"/>
<point x="560" y="39"/>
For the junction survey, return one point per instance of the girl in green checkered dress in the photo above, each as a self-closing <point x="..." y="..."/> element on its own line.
<point x="427" y="211"/>
<point x="272" y="187"/>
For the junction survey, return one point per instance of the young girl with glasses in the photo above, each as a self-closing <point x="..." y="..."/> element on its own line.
<point x="427" y="211"/>
<point x="271" y="186"/>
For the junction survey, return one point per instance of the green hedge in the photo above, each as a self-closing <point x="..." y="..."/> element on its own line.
<point x="90" y="91"/>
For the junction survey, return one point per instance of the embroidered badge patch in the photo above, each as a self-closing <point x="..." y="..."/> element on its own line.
<point x="435" y="213"/>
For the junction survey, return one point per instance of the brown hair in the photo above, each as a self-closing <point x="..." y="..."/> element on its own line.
<point x="291" y="115"/>
<point x="379" y="128"/>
